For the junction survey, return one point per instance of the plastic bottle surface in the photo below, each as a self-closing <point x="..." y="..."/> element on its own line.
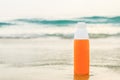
<point x="81" y="50"/>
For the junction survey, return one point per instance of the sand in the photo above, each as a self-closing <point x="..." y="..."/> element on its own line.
<point x="52" y="59"/>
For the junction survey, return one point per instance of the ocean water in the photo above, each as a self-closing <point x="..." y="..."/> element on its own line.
<point x="42" y="49"/>
<point x="98" y="27"/>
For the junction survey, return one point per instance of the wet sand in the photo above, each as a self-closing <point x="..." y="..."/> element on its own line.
<point x="48" y="58"/>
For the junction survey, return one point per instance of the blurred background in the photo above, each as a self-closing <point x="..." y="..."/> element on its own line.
<point x="36" y="38"/>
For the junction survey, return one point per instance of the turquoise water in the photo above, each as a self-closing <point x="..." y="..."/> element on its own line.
<point x="25" y="28"/>
<point x="63" y="22"/>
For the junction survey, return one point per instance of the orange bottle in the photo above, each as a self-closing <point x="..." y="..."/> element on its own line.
<point x="81" y="50"/>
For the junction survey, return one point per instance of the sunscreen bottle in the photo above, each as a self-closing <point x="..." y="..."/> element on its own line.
<point x="81" y="50"/>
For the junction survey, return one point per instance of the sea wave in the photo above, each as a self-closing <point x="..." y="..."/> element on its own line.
<point x="48" y="22"/>
<point x="5" y="24"/>
<point x="25" y="28"/>
<point x="64" y="22"/>
<point x="57" y="35"/>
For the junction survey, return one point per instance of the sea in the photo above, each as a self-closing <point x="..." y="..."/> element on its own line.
<point x="98" y="27"/>
<point x="42" y="48"/>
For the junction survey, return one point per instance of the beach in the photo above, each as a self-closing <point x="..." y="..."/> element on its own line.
<point x="37" y="39"/>
<point x="52" y="58"/>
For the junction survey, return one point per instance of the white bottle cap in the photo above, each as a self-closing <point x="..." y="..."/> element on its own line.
<point x="81" y="32"/>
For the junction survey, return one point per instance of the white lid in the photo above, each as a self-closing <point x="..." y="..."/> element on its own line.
<point x="81" y="31"/>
